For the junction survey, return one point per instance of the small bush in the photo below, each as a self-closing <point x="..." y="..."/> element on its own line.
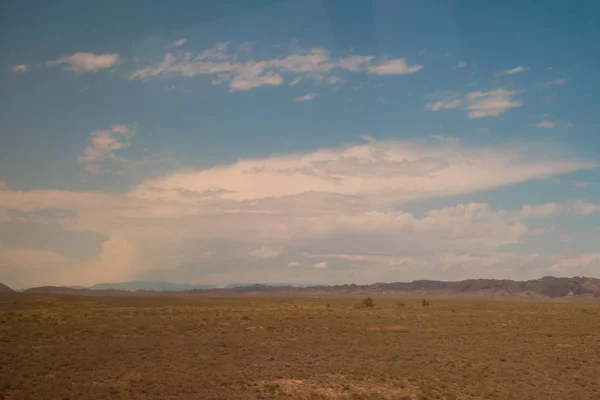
<point x="425" y="303"/>
<point x="368" y="303"/>
<point x="400" y="304"/>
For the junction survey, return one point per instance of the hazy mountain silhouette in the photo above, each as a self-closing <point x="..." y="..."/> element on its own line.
<point x="5" y="289"/>
<point x="548" y="287"/>
<point x="150" y="286"/>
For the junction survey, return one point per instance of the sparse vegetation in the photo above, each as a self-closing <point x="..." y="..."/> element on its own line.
<point x="133" y="346"/>
<point x="368" y="302"/>
<point x="425" y="303"/>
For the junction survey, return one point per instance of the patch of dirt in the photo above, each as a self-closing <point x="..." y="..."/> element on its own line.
<point x="339" y="387"/>
<point x="389" y="328"/>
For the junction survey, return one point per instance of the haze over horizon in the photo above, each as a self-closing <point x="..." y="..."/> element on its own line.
<point x="298" y="141"/>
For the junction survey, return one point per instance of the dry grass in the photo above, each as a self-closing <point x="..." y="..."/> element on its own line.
<point x="197" y="347"/>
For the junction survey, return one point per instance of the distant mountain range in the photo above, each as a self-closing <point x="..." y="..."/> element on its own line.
<point x="54" y="289"/>
<point x="123" y="286"/>
<point x="137" y="286"/>
<point x="546" y="287"/>
<point x="297" y="285"/>
<point x="156" y="286"/>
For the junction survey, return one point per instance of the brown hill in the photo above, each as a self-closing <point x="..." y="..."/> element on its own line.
<point x="54" y="289"/>
<point x="548" y="287"/>
<point x="5" y="289"/>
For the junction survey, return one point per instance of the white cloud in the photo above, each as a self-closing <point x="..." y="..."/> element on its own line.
<point x="294" y="264"/>
<point x="265" y="252"/>
<point x="321" y="265"/>
<point x="477" y="104"/>
<point x="490" y="104"/>
<point x="577" y="261"/>
<point x="306" y="97"/>
<point x="383" y="171"/>
<point x="249" y="219"/>
<point x="240" y="74"/>
<point x="542" y="210"/>
<point x="246" y="82"/>
<point x="315" y="61"/>
<point x="212" y="61"/>
<point x="445" y="104"/>
<point x="511" y="71"/>
<point x="394" y="67"/>
<point x="87" y="62"/>
<point x="179" y="43"/>
<point x="102" y="147"/>
<point x="461" y="64"/>
<point x="546" y="124"/>
<point x="580" y="185"/>
<point x="356" y="63"/>
<point x="27" y="267"/>
<point x="581" y="207"/>
<point x="572" y="207"/>
<point x="20" y="68"/>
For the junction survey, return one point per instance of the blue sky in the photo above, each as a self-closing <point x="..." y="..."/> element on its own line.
<point x="298" y="141"/>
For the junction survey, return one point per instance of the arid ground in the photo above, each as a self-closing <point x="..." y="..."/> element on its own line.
<point x="142" y="346"/>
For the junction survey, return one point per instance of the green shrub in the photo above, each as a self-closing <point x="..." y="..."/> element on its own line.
<point x="425" y="303"/>
<point x="368" y="303"/>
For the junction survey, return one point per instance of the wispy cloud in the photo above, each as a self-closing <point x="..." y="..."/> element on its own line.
<point x="514" y="70"/>
<point x="555" y="82"/>
<point x="306" y="97"/>
<point x="580" y="185"/>
<point x="445" y="104"/>
<point x="265" y="253"/>
<point x="571" y="207"/>
<point x="382" y="171"/>
<point x="102" y="147"/>
<point x="355" y="63"/>
<point x="546" y="124"/>
<point x="461" y="64"/>
<point x="321" y="265"/>
<point x="179" y="43"/>
<point x="20" y="68"/>
<point x="490" y="104"/>
<point x="249" y="80"/>
<point x="394" y="67"/>
<point x="581" y="207"/>
<point x="86" y="62"/>
<point x="295" y="81"/>
<point x="227" y="67"/>
<point x="477" y="104"/>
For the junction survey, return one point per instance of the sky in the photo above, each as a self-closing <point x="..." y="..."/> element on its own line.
<point x="316" y="141"/>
